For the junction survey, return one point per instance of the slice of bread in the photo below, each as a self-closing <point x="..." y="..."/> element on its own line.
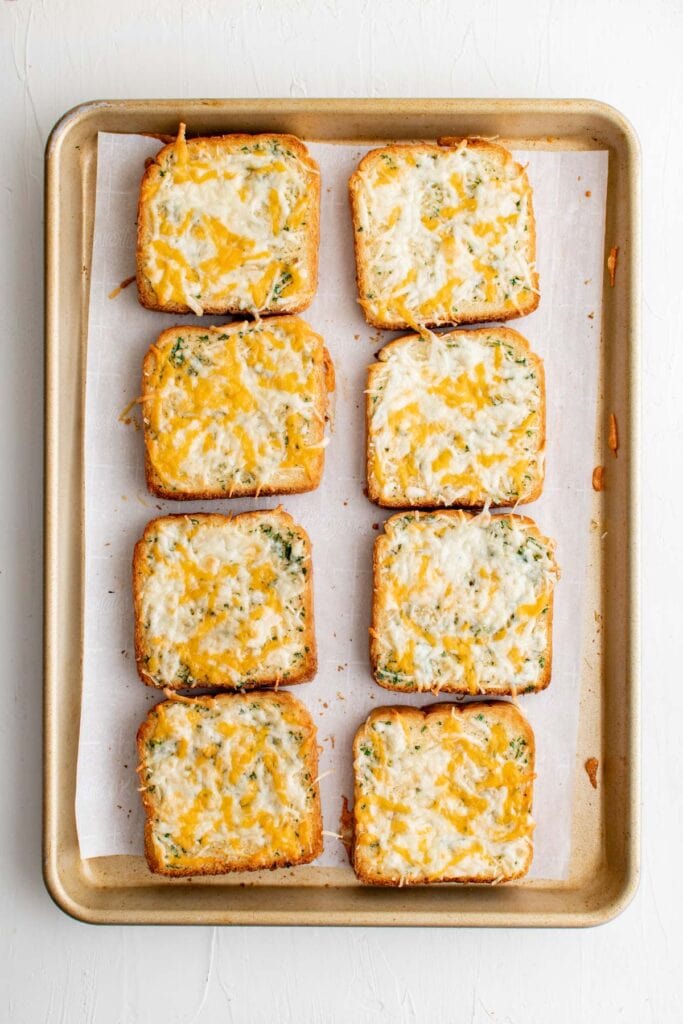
<point x="229" y="783"/>
<point x="224" y="602"/>
<point x="462" y="604"/>
<point x="457" y="419"/>
<point x="443" y="794"/>
<point x="229" y="224"/>
<point x="235" y="410"/>
<point x="443" y="235"/>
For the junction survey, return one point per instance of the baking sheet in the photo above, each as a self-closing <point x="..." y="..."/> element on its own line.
<point x="569" y="190"/>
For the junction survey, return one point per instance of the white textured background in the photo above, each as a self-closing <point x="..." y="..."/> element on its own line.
<point x="56" y="53"/>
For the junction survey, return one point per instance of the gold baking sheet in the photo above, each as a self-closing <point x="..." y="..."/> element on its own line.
<point x="604" y="867"/>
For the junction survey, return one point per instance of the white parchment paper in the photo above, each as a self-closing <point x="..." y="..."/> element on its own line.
<point x="569" y="199"/>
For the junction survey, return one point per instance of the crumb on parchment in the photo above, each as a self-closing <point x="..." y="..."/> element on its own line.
<point x="598" y="479"/>
<point x="613" y="435"/>
<point x="591" y="767"/>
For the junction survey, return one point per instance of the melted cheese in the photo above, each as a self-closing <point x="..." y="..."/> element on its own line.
<point x="229" y="780"/>
<point x="223" y="602"/>
<point x="443" y="235"/>
<point x="229" y="225"/>
<point x="443" y="796"/>
<point x="236" y="410"/>
<point x="455" y="420"/>
<point x="461" y="604"/>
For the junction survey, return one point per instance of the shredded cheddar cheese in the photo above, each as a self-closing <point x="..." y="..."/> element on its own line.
<point x="443" y="795"/>
<point x="229" y="224"/>
<point x="462" y="603"/>
<point x="456" y="420"/>
<point x="229" y="783"/>
<point x="443" y="235"/>
<point x="235" y="410"/>
<point x="224" y="602"/>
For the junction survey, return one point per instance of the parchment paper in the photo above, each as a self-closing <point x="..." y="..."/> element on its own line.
<point x="569" y="198"/>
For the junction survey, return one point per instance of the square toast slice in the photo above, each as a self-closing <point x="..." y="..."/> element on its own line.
<point x="462" y="604"/>
<point x="229" y="783"/>
<point x="229" y="224"/>
<point x="443" y="235"/>
<point x="456" y="420"/>
<point x="224" y="602"/>
<point x="235" y="410"/>
<point x="443" y="794"/>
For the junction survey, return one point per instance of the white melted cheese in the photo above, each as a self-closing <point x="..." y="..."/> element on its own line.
<point x="462" y="603"/>
<point x="236" y="409"/>
<point x="229" y="780"/>
<point x="455" y="420"/>
<point x="230" y="225"/>
<point x="443" y="796"/>
<point x="443" y="234"/>
<point x="222" y="601"/>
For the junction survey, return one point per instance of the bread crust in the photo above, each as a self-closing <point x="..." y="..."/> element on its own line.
<point x="505" y="712"/>
<point x="218" y="866"/>
<point x="146" y="293"/>
<point x="308" y="667"/>
<point x="301" y="481"/>
<point x="514" y="338"/>
<point x="375" y="628"/>
<point x="480" y="313"/>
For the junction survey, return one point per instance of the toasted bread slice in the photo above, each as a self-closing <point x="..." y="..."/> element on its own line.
<point x="443" y="235"/>
<point x="224" y="602"/>
<point x="229" y="783"/>
<point x="443" y="795"/>
<point x="457" y="419"/>
<point x="235" y="410"/>
<point x="229" y="224"/>
<point x="462" y="604"/>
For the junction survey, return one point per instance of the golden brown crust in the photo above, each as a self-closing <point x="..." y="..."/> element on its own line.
<point x="307" y="480"/>
<point x="146" y="293"/>
<point x="474" y="318"/>
<point x="505" y="712"/>
<point x="330" y="376"/>
<point x="267" y="491"/>
<point x="217" y="866"/>
<point x="473" y="142"/>
<point x="308" y="667"/>
<point x="480" y="314"/>
<point x="375" y="627"/>
<point x="514" y="338"/>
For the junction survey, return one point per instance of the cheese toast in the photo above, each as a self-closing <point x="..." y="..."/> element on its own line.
<point x="229" y="783"/>
<point x="457" y="419"/>
<point x="229" y="224"/>
<point x="235" y="410"/>
<point x="462" y="604"/>
<point x="224" y="602"/>
<point x="443" y="235"/>
<point x="443" y="794"/>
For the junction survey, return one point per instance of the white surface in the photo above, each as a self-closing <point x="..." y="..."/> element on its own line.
<point x="56" y="54"/>
<point x="337" y="516"/>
